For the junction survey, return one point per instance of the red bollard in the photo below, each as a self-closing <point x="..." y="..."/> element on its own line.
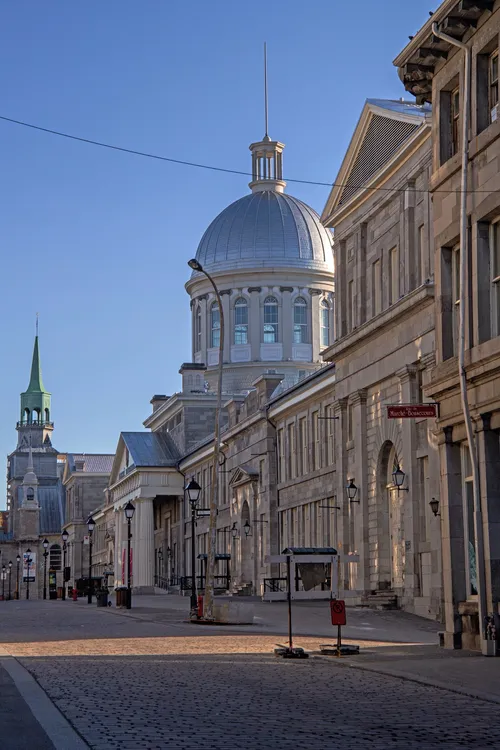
<point x="75" y="594"/>
<point x="200" y="606"/>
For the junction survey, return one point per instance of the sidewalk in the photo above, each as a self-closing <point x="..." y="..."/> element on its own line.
<point x="19" y="730"/>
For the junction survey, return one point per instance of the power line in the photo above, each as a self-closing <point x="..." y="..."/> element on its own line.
<point x="210" y="167"/>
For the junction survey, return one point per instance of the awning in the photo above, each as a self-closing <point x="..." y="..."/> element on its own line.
<point x="309" y="551"/>
<point x="204" y="556"/>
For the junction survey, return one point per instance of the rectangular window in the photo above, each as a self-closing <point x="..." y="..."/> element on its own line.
<point x="290" y="452"/>
<point x="493" y="86"/>
<point x="316" y="450"/>
<point x="376" y="288"/>
<point x="455" y="263"/>
<point x="350" y="305"/>
<point x="421" y="255"/>
<point x="449" y="120"/>
<point x="281" y="456"/>
<point x="330" y="440"/>
<point x="495" y="278"/>
<point x="350" y="423"/>
<point x="394" y="268"/>
<point x="302" y="446"/>
<point x="470" y="535"/>
<point x="455" y="121"/>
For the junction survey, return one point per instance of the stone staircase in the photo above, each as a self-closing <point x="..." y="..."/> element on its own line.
<point x="244" y="589"/>
<point x="382" y="600"/>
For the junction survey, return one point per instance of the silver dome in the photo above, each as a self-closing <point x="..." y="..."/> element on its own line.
<point x="266" y="229"/>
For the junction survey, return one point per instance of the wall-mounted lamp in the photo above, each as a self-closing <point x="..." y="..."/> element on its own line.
<point x="352" y="491"/>
<point x="234" y="531"/>
<point x="398" y="478"/>
<point x="434" y="505"/>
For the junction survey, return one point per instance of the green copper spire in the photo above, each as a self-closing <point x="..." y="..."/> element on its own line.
<point x="36" y="382"/>
<point x="35" y="401"/>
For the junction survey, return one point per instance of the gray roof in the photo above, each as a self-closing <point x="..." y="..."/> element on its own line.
<point x="266" y="229"/>
<point x="50" y="500"/>
<point x="94" y="463"/>
<point x="402" y="107"/>
<point x="151" y="448"/>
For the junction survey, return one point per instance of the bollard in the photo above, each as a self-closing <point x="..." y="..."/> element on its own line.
<point x="200" y="606"/>
<point x="75" y="594"/>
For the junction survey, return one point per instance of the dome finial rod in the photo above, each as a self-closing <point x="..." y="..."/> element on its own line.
<point x="266" y="112"/>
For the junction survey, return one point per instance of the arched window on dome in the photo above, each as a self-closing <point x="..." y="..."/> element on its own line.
<point x="214" y="325"/>
<point x="270" y="320"/>
<point x="240" y="321"/>
<point x="197" y="329"/>
<point x="300" y="321"/>
<point x="324" y="323"/>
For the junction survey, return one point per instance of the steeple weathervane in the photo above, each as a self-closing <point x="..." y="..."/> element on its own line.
<point x="267" y="155"/>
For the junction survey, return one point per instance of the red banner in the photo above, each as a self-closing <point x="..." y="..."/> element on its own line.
<point x="411" y="411"/>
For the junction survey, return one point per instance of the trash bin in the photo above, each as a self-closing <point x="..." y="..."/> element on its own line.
<point x="121" y="596"/>
<point x="102" y="598"/>
<point x="59" y="592"/>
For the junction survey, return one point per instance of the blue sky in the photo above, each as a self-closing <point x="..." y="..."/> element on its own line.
<point x="97" y="241"/>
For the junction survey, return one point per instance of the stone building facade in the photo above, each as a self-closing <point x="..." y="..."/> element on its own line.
<point x="433" y="70"/>
<point x="383" y="355"/>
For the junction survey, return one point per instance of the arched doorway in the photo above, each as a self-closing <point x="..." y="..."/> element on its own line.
<point x="391" y="550"/>
<point x="246" y="557"/>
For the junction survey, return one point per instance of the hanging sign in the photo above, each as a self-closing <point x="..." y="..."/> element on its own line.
<point x="412" y="411"/>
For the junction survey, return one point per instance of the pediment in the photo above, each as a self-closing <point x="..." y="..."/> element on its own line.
<point x="243" y="474"/>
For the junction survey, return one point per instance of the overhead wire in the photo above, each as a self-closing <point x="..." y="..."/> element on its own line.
<point x="226" y="170"/>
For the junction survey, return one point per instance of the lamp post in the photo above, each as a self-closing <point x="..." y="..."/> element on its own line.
<point x="193" y="492"/>
<point x="214" y="487"/>
<point x="129" y="514"/>
<point x="4" y="574"/>
<point x="45" y="555"/>
<point x="64" y="536"/>
<point x="18" y="560"/>
<point x="352" y="491"/>
<point x="91" y="527"/>
<point x="160" y="564"/>
<point x="10" y="580"/>
<point x="28" y="566"/>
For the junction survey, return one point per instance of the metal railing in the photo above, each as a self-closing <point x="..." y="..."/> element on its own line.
<point x="275" y="584"/>
<point x="222" y="583"/>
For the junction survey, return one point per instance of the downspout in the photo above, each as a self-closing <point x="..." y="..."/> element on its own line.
<point x="478" y="521"/>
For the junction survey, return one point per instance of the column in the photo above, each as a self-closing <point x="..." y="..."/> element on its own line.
<point x="409" y="500"/>
<point x="489" y="461"/>
<point x="341" y="517"/>
<point x="315" y="321"/>
<point x="286" y="322"/>
<point x="359" y="513"/>
<point x="143" y="546"/>
<point x="204" y="327"/>
<point x="254" y="323"/>
<point x="118" y="548"/>
<point x="228" y="324"/>
<point x="452" y="531"/>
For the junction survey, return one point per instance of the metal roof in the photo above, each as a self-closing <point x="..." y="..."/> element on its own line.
<point x="93" y="463"/>
<point x="50" y="500"/>
<point x="151" y="448"/>
<point x="266" y="229"/>
<point x="401" y="107"/>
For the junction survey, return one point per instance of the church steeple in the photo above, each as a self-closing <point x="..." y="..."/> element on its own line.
<point x="267" y="155"/>
<point x="35" y="401"/>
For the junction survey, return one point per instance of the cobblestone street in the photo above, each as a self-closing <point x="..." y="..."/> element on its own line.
<point x="125" y="683"/>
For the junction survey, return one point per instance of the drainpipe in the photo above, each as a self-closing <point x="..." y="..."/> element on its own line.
<point x="478" y="521"/>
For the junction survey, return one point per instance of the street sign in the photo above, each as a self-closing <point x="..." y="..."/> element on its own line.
<point x="29" y="569"/>
<point x="337" y="610"/>
<point x="411" y="411"/>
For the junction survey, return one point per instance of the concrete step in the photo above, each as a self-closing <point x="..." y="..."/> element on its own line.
<point x="386" y="599"/>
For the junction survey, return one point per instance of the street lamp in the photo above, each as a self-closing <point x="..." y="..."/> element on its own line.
<point x="10" y="580"/>
<point x="64" y="536"/>
<point x="91" y="527"/>
<point x="214" y="486"/>
<point x="18" y="560"/>
<point x="352" y="491"/>
<point x="434" y="506"/>
<point x="398" y="478"/>
<point x="247" y="528"/>
<point x="28" y="566"/>
<point x="45" y="544"/>
<point x="234" y="531"/>
<point x="129" y="514"/>
<point x="193" y="491"/>
<point x="4" y="574"/>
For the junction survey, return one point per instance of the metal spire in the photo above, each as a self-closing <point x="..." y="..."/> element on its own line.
<point x="266" y="113"/>
<point x="36" y="325"/>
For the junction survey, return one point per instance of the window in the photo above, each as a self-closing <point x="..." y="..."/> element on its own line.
<point x="330" y="436"/>
<point x="376" y="288"/>
<point x="300" y="321"/>
<point x="470" y="534"/>
<point x="350" y="306"/>
<point x="215" y="325"/>
<point x="493" y="85"/>
<point x="302" y="455"/>
<point x="270" y="320"/>
<point x="281" y="456"/>
<point x="316" y="457"/>
<point x="455" y="270"/>
<point x="495" y="278"/>
<point x="291" y="452"/>
<point x="421" y="259"/>
<point x="455" y="118"/>
<point x="394" y="268"/>
<point x="55" y="557"/>
<point x="197" y="330"/>
<point x="325" y="323"/>
<point x="350" y="423"/>
<point x="240" y="321"/>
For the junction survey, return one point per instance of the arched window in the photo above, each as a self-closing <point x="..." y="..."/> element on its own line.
<point x="300" y="321"/>
<point x="47" y="415"/>
<point x="324" y="323"/>
<point x="35" y="416"/>
<point x="197" y="330"/>
<point x="215" y="325"/>
<point x="270" y="320"/>
<point x="27" y="416"/>
<point x="55" y="557"/>
<point x="240" y="321"/>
